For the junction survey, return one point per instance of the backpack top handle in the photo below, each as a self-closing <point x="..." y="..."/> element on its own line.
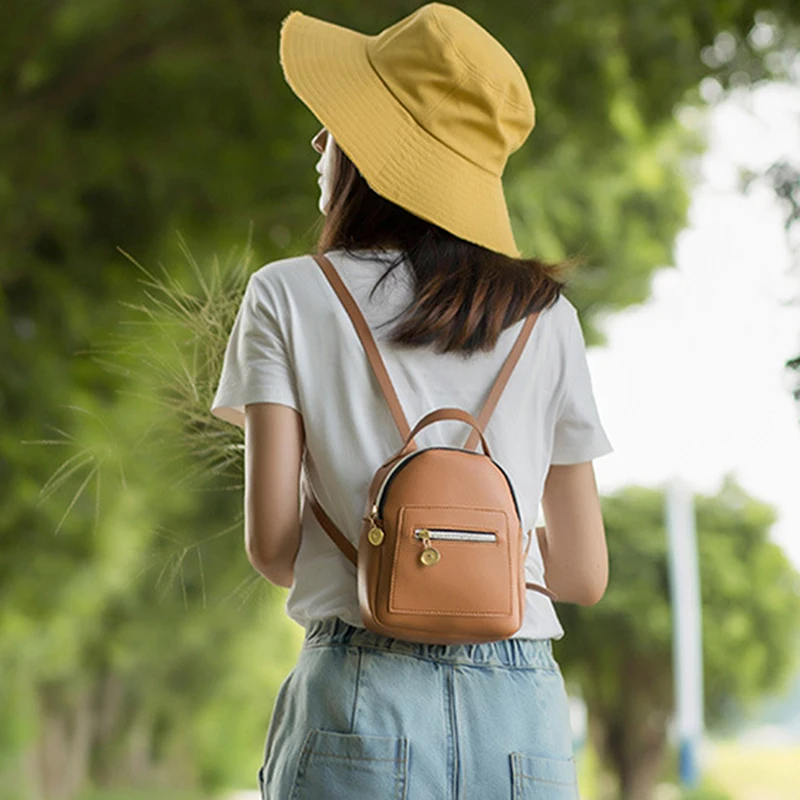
<point x="444" y="415"/>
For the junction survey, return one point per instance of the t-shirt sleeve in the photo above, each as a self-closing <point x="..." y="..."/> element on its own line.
<point x="256" y="367"/>
<point x="579" y="435"/>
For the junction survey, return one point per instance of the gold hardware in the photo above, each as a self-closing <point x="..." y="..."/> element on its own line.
<point x="429" y="555"/>
<point x="375" y="535"/>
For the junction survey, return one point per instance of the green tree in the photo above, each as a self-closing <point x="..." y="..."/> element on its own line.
<point x="620" y="652"/>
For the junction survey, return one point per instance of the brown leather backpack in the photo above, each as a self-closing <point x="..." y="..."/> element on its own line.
<point x="441" y="556"/>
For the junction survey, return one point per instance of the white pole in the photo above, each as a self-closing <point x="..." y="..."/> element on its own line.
<point x="686" y="627"/>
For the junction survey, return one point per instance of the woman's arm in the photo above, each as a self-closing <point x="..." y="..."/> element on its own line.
<point x="573" y="543"/>
<point x="273" y="444"/>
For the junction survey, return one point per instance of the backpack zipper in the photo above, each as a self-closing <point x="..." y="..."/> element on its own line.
<point x="377" y="507"/>
<point x="454" y="536"/>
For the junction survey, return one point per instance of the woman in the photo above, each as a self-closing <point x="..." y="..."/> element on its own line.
<point x="418" y="123"/>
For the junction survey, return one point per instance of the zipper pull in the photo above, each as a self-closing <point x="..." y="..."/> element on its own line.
<point x="429" y="555"/>
<point x="375" y="536"/>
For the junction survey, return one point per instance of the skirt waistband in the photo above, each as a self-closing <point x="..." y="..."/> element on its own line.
<point x="519" y="653"/>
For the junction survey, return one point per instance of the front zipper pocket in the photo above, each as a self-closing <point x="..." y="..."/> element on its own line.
<point x="454" y="536"/>
<point x="452" y="562"/>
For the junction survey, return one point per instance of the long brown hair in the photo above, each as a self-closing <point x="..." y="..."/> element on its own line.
<point x="465" y="295"/>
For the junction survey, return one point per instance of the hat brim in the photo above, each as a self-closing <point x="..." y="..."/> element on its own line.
<point x="328" y="68"/>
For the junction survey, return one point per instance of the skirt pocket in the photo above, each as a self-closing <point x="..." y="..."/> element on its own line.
<point x="346" y="766"/>
<point x="536" y="778"/>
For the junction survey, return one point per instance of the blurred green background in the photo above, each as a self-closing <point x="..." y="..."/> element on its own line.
<point x="151" y="155"/>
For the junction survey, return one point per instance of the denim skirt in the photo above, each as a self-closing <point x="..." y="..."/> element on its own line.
<point x="363" y="716"/>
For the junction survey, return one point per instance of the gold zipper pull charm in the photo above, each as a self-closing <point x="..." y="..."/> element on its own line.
<point x="375" y="536"/>
<point x="429" y="555"/>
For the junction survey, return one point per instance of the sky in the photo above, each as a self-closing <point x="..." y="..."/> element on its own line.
<point x="692" y="383"/>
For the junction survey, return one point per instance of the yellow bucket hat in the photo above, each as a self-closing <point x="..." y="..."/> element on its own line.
<point x="428" y="110"/>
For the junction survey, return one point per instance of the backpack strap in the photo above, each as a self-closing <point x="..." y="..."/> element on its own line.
<point x="491" y="401"/>
<point x="328" y="525"/>
<point x="385" y="384"/>
<point x="370" y="348"/>
<point x="537" y="587"/>
<point x="502" y="379"/>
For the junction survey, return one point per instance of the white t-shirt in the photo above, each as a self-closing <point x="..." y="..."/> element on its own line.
<point x="293" y="344"/>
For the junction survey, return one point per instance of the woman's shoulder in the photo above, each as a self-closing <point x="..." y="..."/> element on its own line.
<point x="297" y="269"/>
<point x="283" y="271"/>
<point x="562" y="311"/>
<point x="301" y="278"/>
<point x="563" y="323"/>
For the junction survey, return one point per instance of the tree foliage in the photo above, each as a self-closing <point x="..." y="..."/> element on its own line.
<point x="620" y="651"/>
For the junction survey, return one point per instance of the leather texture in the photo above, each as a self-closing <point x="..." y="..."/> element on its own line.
<point x="502" y="379"/>
<point x="441" y="553"/>
<point x="476" y="590"/>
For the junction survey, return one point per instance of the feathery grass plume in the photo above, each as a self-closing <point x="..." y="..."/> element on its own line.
<point x="179" y="343"/>
<point x="153" y="442"/>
